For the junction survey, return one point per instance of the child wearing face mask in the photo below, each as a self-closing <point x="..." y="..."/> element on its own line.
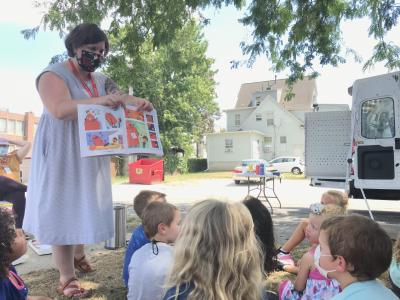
<point x="284" y="257"/>
<point x="311" y="282"/>
<point x="355" y="251"/>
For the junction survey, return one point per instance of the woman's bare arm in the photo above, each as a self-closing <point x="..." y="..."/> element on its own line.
<point x="56" y="98"/>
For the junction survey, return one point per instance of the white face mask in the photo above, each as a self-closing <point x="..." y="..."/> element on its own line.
<point x="317" y="256"/>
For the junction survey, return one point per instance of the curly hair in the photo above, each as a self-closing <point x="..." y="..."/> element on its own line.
<point x="264" y="230"/>
<point x="7" y="236"/>
<point x="218" y="253"/>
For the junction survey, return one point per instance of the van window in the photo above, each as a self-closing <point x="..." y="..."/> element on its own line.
<point x="377" y="119"/>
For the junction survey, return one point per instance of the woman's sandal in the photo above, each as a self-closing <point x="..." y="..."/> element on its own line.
<point x="73" y="288"/>
<point x="83" y="265"/>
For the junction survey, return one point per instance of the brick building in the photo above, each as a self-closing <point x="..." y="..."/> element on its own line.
<point x="23" y="127"/>
<point x="19" y="127"/>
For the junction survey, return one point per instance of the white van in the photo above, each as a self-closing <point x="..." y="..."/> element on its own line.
<point x="358" y="150"/>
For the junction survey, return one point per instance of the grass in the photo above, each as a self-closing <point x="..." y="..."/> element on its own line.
<point x="182" y="177"/>
<point x="200" y="176"/>
<point x="293" y="176"/>
<point x="197" y="176"/>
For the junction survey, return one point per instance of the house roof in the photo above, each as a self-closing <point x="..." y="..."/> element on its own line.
<point x="304" y="91"/>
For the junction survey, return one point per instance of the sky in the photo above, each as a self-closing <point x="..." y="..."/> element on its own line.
<point x="22" y="60"/>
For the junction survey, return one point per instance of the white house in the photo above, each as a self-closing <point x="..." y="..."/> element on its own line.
<point x="262" y="124"/>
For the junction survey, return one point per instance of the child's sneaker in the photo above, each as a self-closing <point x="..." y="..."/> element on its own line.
<point x="285" y="259"/>
<point x="286" y="262"/>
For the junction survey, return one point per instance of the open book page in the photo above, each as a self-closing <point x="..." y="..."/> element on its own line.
<point x="142" y="132"/>
<point x="105" y="131"/>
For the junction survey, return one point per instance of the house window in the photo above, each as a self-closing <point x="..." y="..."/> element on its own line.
<point x="270" y="119"/>
<point x="237" y="119"/>
<point x="11" y="126"/>
<point x="3" y="125"/>
<point x="228" y="145"/>
<point x="283" y="139"/>
<point x="267" y="144"/>
<point x="19" y="128"/>
<point x="258" y="117"/>
<point x="258" y="101"/>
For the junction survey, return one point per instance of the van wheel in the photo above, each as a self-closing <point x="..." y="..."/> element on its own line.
<point x="296" y="171"/>
<point x="237" y="181"/>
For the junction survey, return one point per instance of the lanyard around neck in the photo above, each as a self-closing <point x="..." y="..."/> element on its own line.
<point x="84" y="85"/>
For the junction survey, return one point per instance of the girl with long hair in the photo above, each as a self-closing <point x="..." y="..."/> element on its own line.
<point x="216" y="255"/>
<point x="264" y="230"/>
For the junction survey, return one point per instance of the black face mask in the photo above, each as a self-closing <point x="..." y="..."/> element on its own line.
<point x="90" y="61"/>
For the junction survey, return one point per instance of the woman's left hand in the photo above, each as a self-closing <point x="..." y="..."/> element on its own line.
<point x="143" y="104"/>
<point x="140" y="103"/>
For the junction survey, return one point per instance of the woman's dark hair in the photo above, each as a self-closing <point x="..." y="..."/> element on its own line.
<point x="264" y="230"/>
<point x="7" y="236"/>
<point x="83" y="34"/>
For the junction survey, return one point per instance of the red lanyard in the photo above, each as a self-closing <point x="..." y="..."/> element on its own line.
<point x="85" y="86"/>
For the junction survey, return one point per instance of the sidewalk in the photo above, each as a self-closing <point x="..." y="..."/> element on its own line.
<point x="295" y="196"/>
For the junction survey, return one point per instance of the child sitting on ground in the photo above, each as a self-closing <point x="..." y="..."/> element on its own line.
<point x="394" y="270"/>
<point x="355" y="250"/>
<point x="12" y="246"/>
<point x="284" y="257"/>
<point x="310" y="282"/>
<point x="138" y="238"/>
<point x="150" y="264"/>
<point x="264" y="230"/>
<point x="216" y="255"/>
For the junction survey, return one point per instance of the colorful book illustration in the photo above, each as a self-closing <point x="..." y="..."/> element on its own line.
<point x="105" y="131"/>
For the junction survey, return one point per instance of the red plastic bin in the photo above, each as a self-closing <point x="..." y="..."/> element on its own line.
<point x="146" y="171"/>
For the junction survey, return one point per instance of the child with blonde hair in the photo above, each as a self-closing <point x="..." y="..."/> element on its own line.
<point x="284" y="257"/>
<point x="310" y="283"/>
<point x="216" y="256"/>
<point x="394" y="270"/>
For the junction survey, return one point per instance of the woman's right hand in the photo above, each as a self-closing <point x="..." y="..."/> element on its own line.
<point x="112" y="100"/>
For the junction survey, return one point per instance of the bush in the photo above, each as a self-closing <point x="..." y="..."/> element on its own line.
<point x="174" y="164"/>
<point x="197" y="164"/>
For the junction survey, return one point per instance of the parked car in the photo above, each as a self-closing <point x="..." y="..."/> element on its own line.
<point x="285" y="164"/>
<point x="238" y="173"/>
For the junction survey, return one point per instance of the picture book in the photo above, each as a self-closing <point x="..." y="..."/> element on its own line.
<point x="105" y="131"/>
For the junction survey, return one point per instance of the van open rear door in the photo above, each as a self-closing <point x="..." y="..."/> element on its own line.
<point x="376" y="136"/>
<point x="328" y="146"/>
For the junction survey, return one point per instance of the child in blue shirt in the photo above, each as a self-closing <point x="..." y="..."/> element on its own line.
<point x="12" y="246"/>
<point x="139" y="238"/>
<point x="394" y="270"/>
<point x="355" y="251"/>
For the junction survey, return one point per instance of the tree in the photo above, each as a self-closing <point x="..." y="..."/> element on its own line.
<point x="293" y="34"/>
<point x="178" y="78"/>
